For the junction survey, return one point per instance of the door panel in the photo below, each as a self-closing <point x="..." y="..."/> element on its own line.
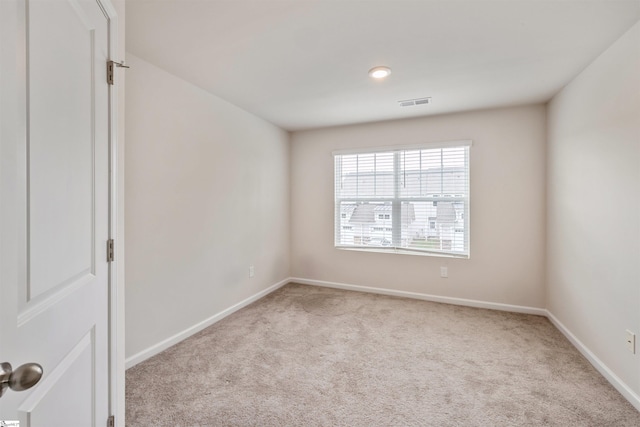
<point x="67" y="379"/>
<point x="54" y="175"/>
<point x="67" y="164"/>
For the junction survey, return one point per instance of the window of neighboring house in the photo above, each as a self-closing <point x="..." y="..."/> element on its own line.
<point x="411" y="199"/>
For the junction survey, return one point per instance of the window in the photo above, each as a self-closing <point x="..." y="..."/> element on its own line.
<point x="404" y="199"/>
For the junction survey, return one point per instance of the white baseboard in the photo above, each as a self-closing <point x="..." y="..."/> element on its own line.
<point x="615" y="381"/>
<point x="425" y="297"/>
<point x="173" y="340"/>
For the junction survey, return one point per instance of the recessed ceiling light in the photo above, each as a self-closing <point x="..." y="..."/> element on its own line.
<point x="379" y="72"/>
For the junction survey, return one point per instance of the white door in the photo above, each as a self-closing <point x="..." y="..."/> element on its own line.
<point x="54" y="207"/>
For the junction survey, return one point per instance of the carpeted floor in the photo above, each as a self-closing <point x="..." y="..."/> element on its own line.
<point x="308" y="356"/>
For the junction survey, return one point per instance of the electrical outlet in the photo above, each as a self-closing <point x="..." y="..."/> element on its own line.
<point x="631" y="341"/>
<point x="444" y="272"/>
<point x="252" y="271"/>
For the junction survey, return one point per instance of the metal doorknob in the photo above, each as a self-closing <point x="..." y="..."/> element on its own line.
<point x="23" y="378"/>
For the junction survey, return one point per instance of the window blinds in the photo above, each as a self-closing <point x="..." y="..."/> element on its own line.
<point x="412" y="199"/>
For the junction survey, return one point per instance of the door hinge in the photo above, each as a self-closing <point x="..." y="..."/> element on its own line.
<point x="111" y="66"/>
<point x="111" y="252"/>
<point x="111" y="422"/>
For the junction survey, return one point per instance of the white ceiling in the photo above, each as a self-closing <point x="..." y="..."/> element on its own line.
<point x="303" y="64"/>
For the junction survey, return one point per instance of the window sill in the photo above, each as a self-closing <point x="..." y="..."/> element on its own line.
<point x="402" y="252"/>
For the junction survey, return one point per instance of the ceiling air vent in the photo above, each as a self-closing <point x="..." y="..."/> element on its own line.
<point x="417" y="101"/>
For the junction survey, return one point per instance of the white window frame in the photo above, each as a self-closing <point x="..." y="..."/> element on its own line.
<point x="396" y="201"/>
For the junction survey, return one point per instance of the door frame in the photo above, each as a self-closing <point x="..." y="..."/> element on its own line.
<point x="115" y="268"/>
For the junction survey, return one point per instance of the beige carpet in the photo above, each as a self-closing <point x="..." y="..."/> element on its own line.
<point x="307" y="356"/>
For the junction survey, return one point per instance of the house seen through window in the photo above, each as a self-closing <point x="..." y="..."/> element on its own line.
<point x="405" y="200"/>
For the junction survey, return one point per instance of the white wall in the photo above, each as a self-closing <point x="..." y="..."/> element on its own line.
<point x="593" y="237"/>
<point x="207" y="195"/>
<point x="507" y="208"/>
